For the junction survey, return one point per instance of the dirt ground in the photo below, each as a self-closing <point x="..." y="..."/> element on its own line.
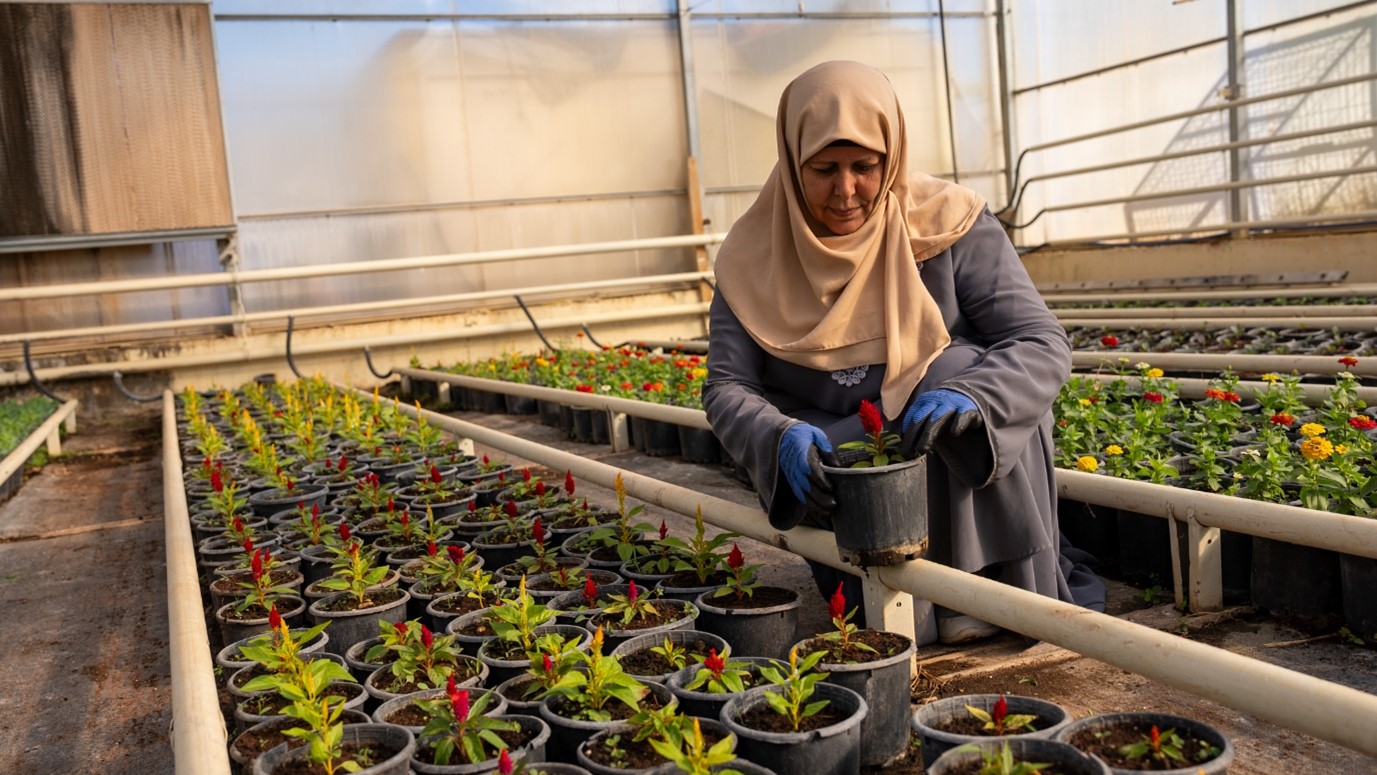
<point x="82" y="592"/>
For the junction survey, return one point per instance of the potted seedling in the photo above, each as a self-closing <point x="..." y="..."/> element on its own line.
<point x="1159" y="742"/>
<point x="655" y="656"/>
<point x="698" y="563"/>
<point x="424" y="661"/>
<point x="357" y="603"/>
<point x="971" y="718"/>
<point x="518" y="624"/>
<point x="704" y="688"/>
<point x="638" y="612"/>
<point x="756" y="619"/>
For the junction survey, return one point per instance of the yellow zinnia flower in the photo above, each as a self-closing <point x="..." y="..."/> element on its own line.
<point x="1270" y="377"/>
<point x="1341" y="449"/>
<point x="698" y="373"/>
<point x="1085" y="402"/>
<point x="1154" y="373"/>
<point x="1316" y="448"/>
<point x="1090" y="465"/>
<point x="1311" y="429"/>
<point x="1114" y="449"/>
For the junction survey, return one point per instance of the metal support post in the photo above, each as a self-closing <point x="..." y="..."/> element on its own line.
<point x="442" y="393"/>
<point x="886" y="609"/>
<point x="1206" y="592"/>
<point x="1232" y="92"/>
<point x="229" y="261"/>
<point x="54" y="443"/>
<point x="619" y="428"/>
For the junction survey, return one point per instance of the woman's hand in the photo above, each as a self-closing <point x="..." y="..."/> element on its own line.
<point x="934" y="414"/>
<point x="801" y="465"/>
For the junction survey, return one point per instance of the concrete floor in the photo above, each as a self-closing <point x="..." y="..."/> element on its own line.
<point x="82" y="593"/>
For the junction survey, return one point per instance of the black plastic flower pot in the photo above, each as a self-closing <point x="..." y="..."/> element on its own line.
<point x="502" y="670"/>
<point x="399" y="711"/>
<point x="1358" y="577"/>
<point x="566" y="420"/>
<point x="711" y="729"/>
<point x="356" y="699"/>
<point x="600" y="430"/>
<point x="231" y="659"/>
<point x="882" y="513"/>
<point x="567" y="734"/>
<point x="392" y="745"/>
<point x="616" y="633"/>
<point x="753" y="632"/>
<point x="1063" y="758"/>
<point x="513" y="690"/>
<point x="548" y="412"/>
<point x="532" y="752"/>
<point x="695" y="639"/>
<point x="1296" y="580"/>
<point x="932" y="720"/>
<point x="1144" y="549"/>
<point x="355" y="659"/>
<point x="518" y="404"/>
<point x="350" y="627"/>
<point x="475" y="674"/>
<point x="1086" y="735"/>
<point x="1092" y="528"/>
<point x="831" y="750"/>
<point x="265" y="504"/>
<point x="661" y="438"/>
<point x="740" y="765"/>
<point x="698" y="445"/>
<point x="290" y="607"/>
<point x="705" y="704"/>
<point x="582" y="418"/>
<point x="884" y="684"/>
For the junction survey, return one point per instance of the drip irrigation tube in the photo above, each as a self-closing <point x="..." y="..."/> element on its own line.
<point x="1296" y="701"/>
<point x="1231" y="294"/>
<point x="1346" y="323"/>
<point x="1216" y="362"/>
<point x="1237" y="315"/>
<point x="1313" y="395"/>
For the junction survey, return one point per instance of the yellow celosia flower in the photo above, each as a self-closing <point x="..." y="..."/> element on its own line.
<point x="1114" y="449"/>
<point x="1311" y="429"/>
<point x="1270" y="377"/>
<point x="1090" y="465"/>
<point x="1316" y="448"/>
<point x="1154" y="373"/>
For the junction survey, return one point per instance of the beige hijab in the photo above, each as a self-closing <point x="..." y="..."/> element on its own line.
<point x="838" y="302"/>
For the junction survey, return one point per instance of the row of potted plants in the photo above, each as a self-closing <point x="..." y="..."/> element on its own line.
<point x="1273" y="301"/>
<point x="1238" y="339"/>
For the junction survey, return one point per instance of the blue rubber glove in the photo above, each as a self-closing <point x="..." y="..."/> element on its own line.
<point x="934" y="414"/>
<point x="801" y="465"/>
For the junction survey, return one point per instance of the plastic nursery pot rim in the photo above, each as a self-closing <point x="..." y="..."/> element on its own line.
<point x="704" y="605"/>
<point x="750" y="698"/>
<point x="1186" y="724"/>
<point x="857" y="667"/>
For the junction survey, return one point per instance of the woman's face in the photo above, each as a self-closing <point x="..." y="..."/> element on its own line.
<point x="840" y="184"/>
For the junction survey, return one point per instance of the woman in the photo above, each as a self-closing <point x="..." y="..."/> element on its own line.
<point x="849" y="279"/>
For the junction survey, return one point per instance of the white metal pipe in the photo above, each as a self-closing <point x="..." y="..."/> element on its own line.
<point x="336" y="346"/>
<point x="354" y="267"/>
<point x="1128" y="239"/>
<point x="1313" y="395"/>
<point x="391" y="305"/>
<point x="46" y="430"/>
<point x="1282" y="364"/>
<point x="679" y="415"/>
<point x="1204" y="322"/>
<point x="1187" y="295"/>
<point x="1280" y="522"/>
<point x="1300" y="311"/>
<point x="1316" y="707"/>
<point x="1303" y="703"/>
<point x="199" y="740"/>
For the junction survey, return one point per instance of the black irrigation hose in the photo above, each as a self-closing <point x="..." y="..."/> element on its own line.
<point x="35" y="381"/>
<point x="291" y="363"/>
<point x="534" y="325"/>
<point x="119" y="385"/>
<point x="589" y="334"/>
<point x="368" y="358"/>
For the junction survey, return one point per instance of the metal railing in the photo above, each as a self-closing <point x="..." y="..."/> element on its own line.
<point x="46" y="433"/>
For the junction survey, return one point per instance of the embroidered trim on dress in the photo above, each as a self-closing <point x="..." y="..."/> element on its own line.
<point x="850" y="377"/>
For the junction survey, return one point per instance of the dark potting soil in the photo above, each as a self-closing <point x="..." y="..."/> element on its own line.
<point x="515" y="740"/>
<point x="409" y="715"/>
<point x="249" y="614"/>
<point x="647" y="662"/>
<point x="475" y="629"/>
<point x="463" y="670"/>
<point x="481" y="516"/>
<point x="517" y="690"/>
<point x="463" y="604"/>
<point x="1106" y="743"/>
<point x="413" y="551"/>
<point x="976" y="766"/>
<point x="576" y="580"/>
<point x="371" y="598"/>
<point x="762" y="597"/>
<point x="974" y="727"/>
<point x="504" y="539"/>
<point x="689" y="579"/>
<point x="571" y="522"/>
<point x="254" y="742"/>
<point x="618" y="711"/>
<point x="665" y="613"/>
<point x="228" y="584"/>
<point x="509" y="650"/>
<point x="605" y="554"/>
<point x="886" y="644"/>
<point x="373" y="754"/>
<point x="763" y="718"/>
<point x="629" y="754"/>
<point x="238" y="679"/>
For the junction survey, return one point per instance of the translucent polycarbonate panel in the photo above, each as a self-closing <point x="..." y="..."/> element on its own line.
<point x="327" y="115"/>
<point x="837" y="6"/>
<point x="1053" y="39"/>
<point x="339" y="239"/>
<point x="421" y="7"/>
<point x="742" y="66"/>
<point x="1260" y="14"/>
<point x="1083" y="106"/>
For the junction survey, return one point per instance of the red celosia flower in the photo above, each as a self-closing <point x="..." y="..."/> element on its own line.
<point x="568" y="482"/>
<point x="435" y="474"/>
<point x="344" y="531"/>
<point x="274" y="618"/>
<point x="871" y="420"/>
<point x="291" y="485"/>
<point x="664" y="530"/>
<point x="590" y="590"/>
<point x="546" y="663"/>
<point x="1348" y="360"/>
<point x="460" y="701"/>
<point x="473" y="505"/>
<point x="1152" y="397"/>
<point x="405" y="519"/>
<point x="714" y="663"/>
<point x="1000" y="710"/>
<point x="734" y="559"/>
<point x="1109" y="340"/>
<point x="1282" y="419"/>
<point x="510" y="508"/>
<point x="390" y="505"/>
<point x="485" y="460"/>
<point x="837" y="605"/>
<point x="525" y="474"/>
<point x="248" y="544"/>
<point x="540" y="489"/>
<point x="451" y="686"/>
<point x="216" y="483"/>
<point x="456" y="553"/>
<point x="315" y="510"/>
<point x="501" y="476"/>
<point x="256" y="565"/>
<point x="402" y="628"/>
<point x="504" y="763"/>
<point x="1156" y="738"/>
<point x="538" y="531"/>
<point x="427" y="637"/>
<point x="431" y="548"/>
<point x="1362" y="422"/>
<point x="632" y="593"/>
<point x="343" y="463"/>
<point x="238" y="525"/>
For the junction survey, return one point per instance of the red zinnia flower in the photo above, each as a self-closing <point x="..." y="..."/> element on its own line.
<point x="1232" y="397"/>
<point x="274" y="618"/>
<point x="1348" y="360"/>
<point x="714" y="663"/>
<point x="871" y="420"/>
<point x="1109" y="340"/>
<point x="837" y="605"/>
<point x="584" y="388"/>
<point x="568" y="482"/>
<point x="1214" y="393"/>
<point x="504" y="763"/>
<point x="1282" y="419"/>
<point x="1152" y="397"/>
<point x="735" y="560"/>
<point x="460" y="701"/>
<point x="1362" y="422"/>
<point x="648" y="386"/>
